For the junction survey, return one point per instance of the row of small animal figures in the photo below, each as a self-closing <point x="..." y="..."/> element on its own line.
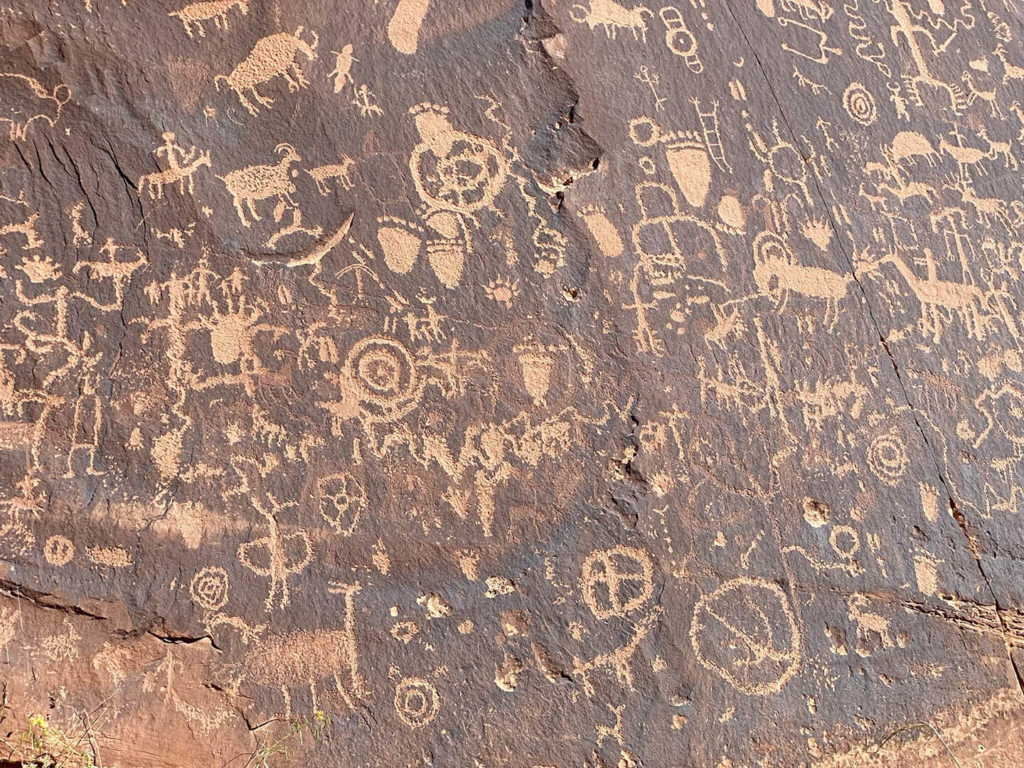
<point x="251" y="184"/>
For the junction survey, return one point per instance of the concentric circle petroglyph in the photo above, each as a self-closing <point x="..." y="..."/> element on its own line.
<point x="417" y="702"/>
<point x="860" y="104"/>
<point x="887" y="458"/>
<point x="384" y="376"/>
<point x="209" y="588"/>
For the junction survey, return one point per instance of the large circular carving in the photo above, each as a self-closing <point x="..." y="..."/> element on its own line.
<point x="746" y="633"/>
<point x="383" y="376"/>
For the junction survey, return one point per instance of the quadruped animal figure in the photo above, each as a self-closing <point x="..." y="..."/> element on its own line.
<point x="184" y="176"/>
<point x="272" y="56"/>
<point x="342" y="171"/>
<point x="24" y="101"/>
<point x="259" y="182"/>
<point x="304" y="658"/>
<point x="778" y="274"/>
<point x="194" y="14"/>
<point x="943" y="299"/>
<point x="613" y="17"/>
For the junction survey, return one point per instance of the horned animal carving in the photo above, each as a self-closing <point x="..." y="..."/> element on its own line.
<point x="24" y="100"/>
<point x="272" y="56"/>
<point x="259" y="182"/>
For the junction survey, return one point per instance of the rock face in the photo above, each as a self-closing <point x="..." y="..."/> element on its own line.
<point x="499" y="385"/>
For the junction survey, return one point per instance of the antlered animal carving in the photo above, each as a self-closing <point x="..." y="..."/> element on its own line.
<point x="998" y="149"/>
<point x="940" y="297"/>
<point x="272" y="56"/>
<point x="24" y="100"/>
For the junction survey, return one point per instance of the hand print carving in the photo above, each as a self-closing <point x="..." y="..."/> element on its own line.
<point x="508" y="387"/>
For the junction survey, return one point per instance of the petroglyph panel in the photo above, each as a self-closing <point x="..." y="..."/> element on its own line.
<point x="511" y="384"/>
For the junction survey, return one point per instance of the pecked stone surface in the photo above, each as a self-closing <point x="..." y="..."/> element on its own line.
<point x="493" y="385"/>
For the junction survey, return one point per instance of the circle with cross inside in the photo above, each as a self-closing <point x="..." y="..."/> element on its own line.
<point x="617" y="581"/>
